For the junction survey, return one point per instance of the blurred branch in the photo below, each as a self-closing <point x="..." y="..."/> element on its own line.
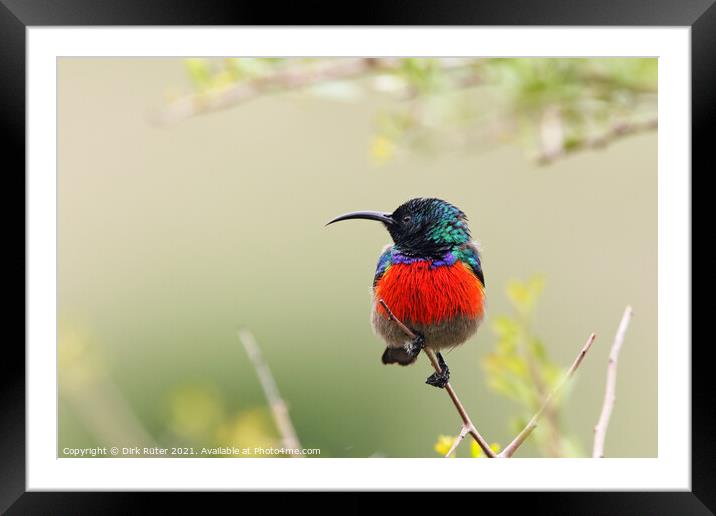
<point x="467" y="425"/>
<point x="511" y="448"/>
<point x="555" y="150"/>
<point x="285" y="79"/>
<point x="87" y="387"/>
<point x="277" y="404"/>
<point x="561" y="105"/>
<point x="105" y="412"/>
<point x="600" y="430"/>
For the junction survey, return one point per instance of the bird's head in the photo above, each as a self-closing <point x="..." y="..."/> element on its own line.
<point x="421" y="227"/>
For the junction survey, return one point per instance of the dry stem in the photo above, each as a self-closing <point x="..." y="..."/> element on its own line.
<point x="600" y="430"/>
<point x="511" y="448"/>
<point x="278" y="406"/>
<point x="616" y="131"/>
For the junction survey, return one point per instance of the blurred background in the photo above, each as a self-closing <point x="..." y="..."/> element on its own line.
<point x="193" y="195"/>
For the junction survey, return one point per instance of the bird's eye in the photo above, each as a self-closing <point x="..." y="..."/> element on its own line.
<point x="406" y="219"/>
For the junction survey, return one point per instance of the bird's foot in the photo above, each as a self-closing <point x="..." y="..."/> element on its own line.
<point x="442" y="378"/>
<point x="416" y="345"/>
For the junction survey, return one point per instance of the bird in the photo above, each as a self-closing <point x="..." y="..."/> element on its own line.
<point x="430" y="278"/>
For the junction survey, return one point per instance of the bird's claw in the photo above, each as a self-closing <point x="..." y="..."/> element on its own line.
<point x="441" y="379"/>
<point x="416" y="345"/>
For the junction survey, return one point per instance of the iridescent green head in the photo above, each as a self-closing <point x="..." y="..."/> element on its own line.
<point x="424" y="228"/>
<point x="428" y="227"/>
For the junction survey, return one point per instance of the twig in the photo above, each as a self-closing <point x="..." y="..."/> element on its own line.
<point x="467" y="425"/>
<point x="616" y="131"/>
<point x="288" y="78"/>
<point x="285" y="79"/>
<point x="278" y="406"/>
<point x="551" y="414"/>
<point x="600" y="430"/>
<point x="456" y="442"/>
<point x="101" y="406"/>
<point x="511" y="448"/>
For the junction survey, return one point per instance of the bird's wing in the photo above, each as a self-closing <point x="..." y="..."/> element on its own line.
<point x="470" y="254"/>
<point x="383" y="263"/>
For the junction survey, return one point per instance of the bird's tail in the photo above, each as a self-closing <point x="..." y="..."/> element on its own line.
<point x="398" y="356"/>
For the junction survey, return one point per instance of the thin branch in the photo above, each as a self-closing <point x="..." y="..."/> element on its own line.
<point x="463" y="432"/>
<point x="511" y="448"/>
<point x="288" y="78"/>
<point x="600" y="430"/>
<point x="467" y="425"/>
<point x="100" y="405"/>
<point x="278" y="406"/>
<point x="616" y="131"/>
<point x="551" y="414"/>
<point x="305" y="74"/>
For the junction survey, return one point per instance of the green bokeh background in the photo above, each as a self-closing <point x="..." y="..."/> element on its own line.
<point x="171" y="239"/>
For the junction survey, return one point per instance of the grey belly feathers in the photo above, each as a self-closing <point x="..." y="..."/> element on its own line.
<point x="446" y="334"/>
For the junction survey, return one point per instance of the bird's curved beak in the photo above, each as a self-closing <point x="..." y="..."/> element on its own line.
<point x="385" y="218"/>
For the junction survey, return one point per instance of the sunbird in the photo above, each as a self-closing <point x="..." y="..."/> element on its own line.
<point x="430" y="278"/>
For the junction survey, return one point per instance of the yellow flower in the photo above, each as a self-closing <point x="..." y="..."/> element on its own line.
<point x="382" y="149"/>
<point x="476" y="451"/>
<point x="443" y="444"/>
<point x="250" y="429"/>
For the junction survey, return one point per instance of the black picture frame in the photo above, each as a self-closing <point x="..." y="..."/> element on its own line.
<point x="17" y="15"/>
